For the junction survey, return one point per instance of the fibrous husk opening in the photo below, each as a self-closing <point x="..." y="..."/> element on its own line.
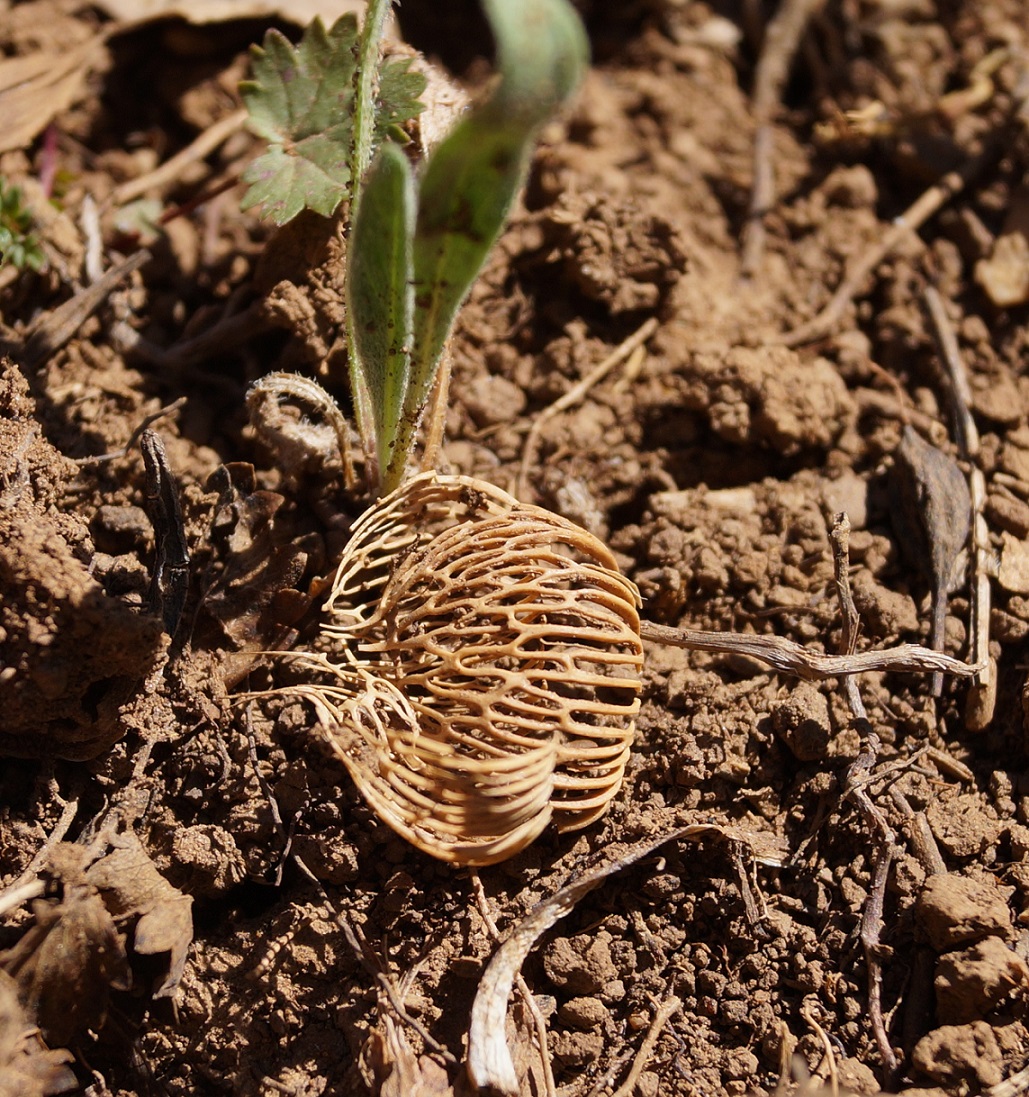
<point x="486" y="672"/>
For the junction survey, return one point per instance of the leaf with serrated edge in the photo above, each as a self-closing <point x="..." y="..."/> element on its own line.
<point x="379" y="292"/>
<point x="301" y="100"/>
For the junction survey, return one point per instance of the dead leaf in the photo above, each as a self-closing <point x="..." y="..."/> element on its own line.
<point x="132" y="887"/>
<point x="67" y="963"/>
<point x="392" y="1069"/>
<point x="27" y="1067"/>
<point x="35" y="88"/>
<point x="254" y="601"/>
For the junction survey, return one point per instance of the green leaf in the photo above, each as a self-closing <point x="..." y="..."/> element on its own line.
<point x="473" y="176"/>
<point x="379" y="292"/>
<point x="300" y="99"/>
<point x="398" y="99"/>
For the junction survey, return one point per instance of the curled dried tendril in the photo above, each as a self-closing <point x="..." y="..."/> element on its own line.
<point x="484" y="668"/>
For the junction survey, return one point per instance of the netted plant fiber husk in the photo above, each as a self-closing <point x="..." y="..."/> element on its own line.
<point x="485" y="668"/>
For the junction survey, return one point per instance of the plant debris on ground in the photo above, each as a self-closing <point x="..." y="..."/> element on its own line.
<point x="769" y="268"/>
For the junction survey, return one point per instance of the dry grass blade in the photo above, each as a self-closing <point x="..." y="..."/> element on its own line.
<point x="490" y="1066"/>
<point x="487" y="668"/>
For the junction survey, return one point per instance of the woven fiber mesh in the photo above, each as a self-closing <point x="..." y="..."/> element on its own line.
<point x="488" y="664"/>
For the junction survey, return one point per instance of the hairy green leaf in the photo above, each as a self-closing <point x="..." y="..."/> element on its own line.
<point x="379" y="292"/>
<point x="301" y="100"/>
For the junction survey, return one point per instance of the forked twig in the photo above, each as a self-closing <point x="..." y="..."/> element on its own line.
<point x="829" y="1054"/>
<point x="791" y="658"/>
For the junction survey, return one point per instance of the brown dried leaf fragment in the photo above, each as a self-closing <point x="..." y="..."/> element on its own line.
<point x="133" y="889"/>
<point x="933" y="515"/>
<point x="67" y="963"/>
<point x="27" y="1067"/>
<point x="35" y="88"/>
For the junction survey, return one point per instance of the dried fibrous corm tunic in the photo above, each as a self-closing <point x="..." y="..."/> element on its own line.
<point x="484" y="669"/>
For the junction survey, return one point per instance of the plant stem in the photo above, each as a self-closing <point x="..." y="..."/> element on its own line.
<point x="365" y="92"/>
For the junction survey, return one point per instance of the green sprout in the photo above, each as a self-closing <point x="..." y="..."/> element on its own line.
<point x="19" y="245"/>
<point x="419" y="240"/>
<point x="418" y="237"/>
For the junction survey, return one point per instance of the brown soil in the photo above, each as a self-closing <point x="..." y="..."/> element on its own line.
<point x="326" y="956"/>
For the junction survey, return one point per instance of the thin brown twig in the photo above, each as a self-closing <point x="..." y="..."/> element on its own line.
<point x="53" y="329"/>
<point x="854" y="782"/>
<point x="928" y="203"/>
<point x="782" y="37"/>
<point x="966" y="435"/>
<point x="662" y="1015"/>
<point x="839" y="538"/>
<point x="135" y="436"/>
<point x="856" y="779"/>
<point x="923" y="841"/>
<point x="829" y="1054"/>
<point x="791" y="658"/>
<point x="168" y="172"/>
<point x="575" y="394"/>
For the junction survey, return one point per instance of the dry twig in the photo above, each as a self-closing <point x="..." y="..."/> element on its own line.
<point x="168" y="172"/>
<point x="826" y="322"/>
<point x="782" y="37"/>
<point x="53" y="329"/>
<point x="575" y="394"/>
<point x="791" y="658"/>
<point x="855" y="781"/>
<point x="662" y="1015"/>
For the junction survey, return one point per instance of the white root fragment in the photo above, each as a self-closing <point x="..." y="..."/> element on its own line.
<point x="490" y="1066"/>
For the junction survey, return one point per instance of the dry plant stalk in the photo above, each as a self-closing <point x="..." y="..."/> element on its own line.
<point x="484" y="668"/>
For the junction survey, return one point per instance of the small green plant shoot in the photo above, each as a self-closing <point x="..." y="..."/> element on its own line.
<point x="301" y="99"/>
<point x="418" y="241"/>
<point x="418" y="238"/>
<point x="18" y="243"/>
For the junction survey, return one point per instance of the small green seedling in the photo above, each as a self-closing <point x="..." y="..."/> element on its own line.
<point x="419" y="240"/>
<point x="19" y="245"/>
